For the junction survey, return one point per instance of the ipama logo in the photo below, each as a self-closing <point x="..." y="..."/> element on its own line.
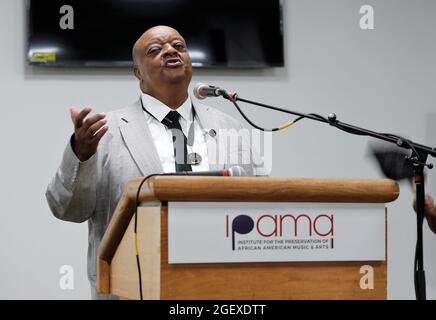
<point x="281" y="226"/>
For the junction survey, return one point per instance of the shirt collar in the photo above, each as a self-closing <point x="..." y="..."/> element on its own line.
<point x="159" y="110"/>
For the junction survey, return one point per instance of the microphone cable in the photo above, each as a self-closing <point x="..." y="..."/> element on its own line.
<point x="282" y="127"/>
<point x="233" y="98"/>
<point x="135" y="231"/>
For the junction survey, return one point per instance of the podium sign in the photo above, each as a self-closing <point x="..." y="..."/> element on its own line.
<point x="225" y="232"/>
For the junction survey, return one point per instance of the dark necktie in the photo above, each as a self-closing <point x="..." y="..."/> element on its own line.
<point x="171" y="121"/>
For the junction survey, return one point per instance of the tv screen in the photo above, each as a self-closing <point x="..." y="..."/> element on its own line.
<point x="219" y="34"/>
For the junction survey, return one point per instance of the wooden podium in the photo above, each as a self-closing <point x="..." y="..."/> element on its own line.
<point x="117" y="267"/>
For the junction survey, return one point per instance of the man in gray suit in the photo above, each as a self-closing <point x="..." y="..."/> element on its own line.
<point x="106" y="151"/>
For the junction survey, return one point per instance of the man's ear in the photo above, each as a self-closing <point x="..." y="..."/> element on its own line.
<point x="137" y="73"/>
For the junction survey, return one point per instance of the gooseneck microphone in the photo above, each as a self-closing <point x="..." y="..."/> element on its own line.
<point x="203" y="91"/>
<point x="235" y="171"/>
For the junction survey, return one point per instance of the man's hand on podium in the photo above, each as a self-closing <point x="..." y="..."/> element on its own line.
<point x="87" y="132"/>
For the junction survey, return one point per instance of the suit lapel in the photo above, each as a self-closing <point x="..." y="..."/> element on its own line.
<point x="212" y="142"/>
<point x="138" y="139"/>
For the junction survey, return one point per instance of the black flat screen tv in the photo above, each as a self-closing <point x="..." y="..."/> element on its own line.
<point x="101" y="33"/>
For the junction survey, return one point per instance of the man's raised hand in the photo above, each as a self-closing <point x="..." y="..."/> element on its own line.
<point x="87" y="132"/>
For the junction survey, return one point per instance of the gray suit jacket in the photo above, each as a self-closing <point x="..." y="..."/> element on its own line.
<point x="89" y="190"/>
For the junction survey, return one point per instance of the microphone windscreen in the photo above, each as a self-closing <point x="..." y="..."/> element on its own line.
<point x="392" y="162"/>
<point x="197" y="91"/>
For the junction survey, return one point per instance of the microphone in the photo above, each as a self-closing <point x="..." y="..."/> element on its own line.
<point x="203" y="91"/>
<point x="235" y="171"/>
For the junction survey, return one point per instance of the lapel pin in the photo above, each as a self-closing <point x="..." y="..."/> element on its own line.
<point x="212" y="133"/>
<point x="194" y="159"/>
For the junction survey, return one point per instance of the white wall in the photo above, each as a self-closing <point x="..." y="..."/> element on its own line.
<point x="381" y="79"/>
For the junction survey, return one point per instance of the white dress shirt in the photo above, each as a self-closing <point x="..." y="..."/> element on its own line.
<point x="163" y="138"/>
